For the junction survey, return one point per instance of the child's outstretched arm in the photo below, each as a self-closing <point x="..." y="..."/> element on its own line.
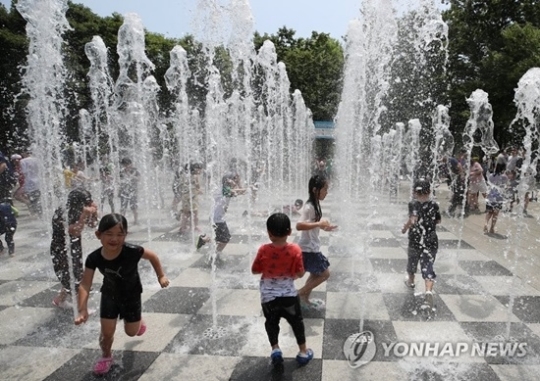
<point x="82" y="297"/>
<point x="324" y="224"/>
<point x="88" y="216"/>
<point x="410" y="222"/>
<point x="156" y="264"/>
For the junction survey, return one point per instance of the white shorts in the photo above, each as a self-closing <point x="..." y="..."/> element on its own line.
<point x="478" y="187"/>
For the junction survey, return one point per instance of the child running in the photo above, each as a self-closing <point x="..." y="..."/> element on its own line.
<point x="494" y="204"/>
<point x="121" y="289"/>
<point x="310" y="223"/>
<point x="424" y="215"/>
<point x="229" y="189"/>
<point x="280" y="263"/>
<point x="81" y="211"/>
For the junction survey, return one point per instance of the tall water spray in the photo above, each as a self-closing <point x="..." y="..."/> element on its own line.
<point x="44" y="81"/>
<point x="527" y="101"/>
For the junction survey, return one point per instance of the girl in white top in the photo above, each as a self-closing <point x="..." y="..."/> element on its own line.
<point x="309" y="225"/>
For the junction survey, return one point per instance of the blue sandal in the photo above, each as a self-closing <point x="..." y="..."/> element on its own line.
<point x="276" y="356"/>
<point x="304" y="359"/>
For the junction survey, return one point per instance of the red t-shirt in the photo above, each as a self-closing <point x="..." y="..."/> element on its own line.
<point x="278" y="261"/>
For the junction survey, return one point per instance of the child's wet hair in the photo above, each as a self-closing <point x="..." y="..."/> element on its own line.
<point x="278" y="225"/>
<point x="125" y="161"/>
<point x="109" y="221"/>
<point x="79" y="198"/>
<point x="422" y="187"/>
<point x="318" y="182"/>
<point x="298" y="203"/>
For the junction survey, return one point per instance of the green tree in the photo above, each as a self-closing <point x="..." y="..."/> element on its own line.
<point x="13" y="47"/>
<point x="491" y="45"/>
<point x="314" y="66"/>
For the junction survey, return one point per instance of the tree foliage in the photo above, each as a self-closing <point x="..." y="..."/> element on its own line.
<point x="491" y="45"/>
<point x="314" y="66"/>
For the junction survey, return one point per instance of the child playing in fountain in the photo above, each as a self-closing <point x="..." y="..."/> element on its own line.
<point x="424" y="215"/>
<point x="129" y="183"/>
<point x="121" y="289"/>
<point x="189" y="189"/>
<point x="81" y="211"/>
<point x="229" y="189"/>
<point x="310" y="224"/>
<point x="494" y="203"/>
<point x="279" y="264"/>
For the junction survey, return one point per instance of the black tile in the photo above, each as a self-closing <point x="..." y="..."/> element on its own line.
<point x="336" y="331"/>
<point x="457" y="284"/>
<point x="59" y="331"/>
<point x="526" y="308"/>
<point x="128" y="366"/>
<point x="177" y="300"/>
<point x="411" y="307"/>
<point x="258" y="368"/>
<point x="490" y="268"/>
<point x="347" y="282"/>
<point x="483" y="333"/>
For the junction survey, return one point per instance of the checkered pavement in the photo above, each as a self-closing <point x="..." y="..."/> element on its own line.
<point x="209" y="326"/>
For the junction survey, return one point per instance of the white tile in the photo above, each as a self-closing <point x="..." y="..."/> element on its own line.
<point x="395" y="283"/>
<point x="234" y="303"/>
<point x="258" y="344"/>
<point x="30" y="363"/>
<point x="516" y="372"/>
<point x="480" y="308"/>
<point x="334" y="370"/>
<point x="387" y="252"/>
<point x="161" y="329"/>
<point x="193" y="277"/>
<point x="18" y="322"/>
<point x="438" y="334"/>
<point x="16" y="291"/>
<point x="351" y="265"/>
<point x="179" y="367"/>
<point x="355" y="305"/>
<point x="506" y="285"/>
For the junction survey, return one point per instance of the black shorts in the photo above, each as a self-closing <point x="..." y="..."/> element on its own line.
<point x="222" y="232"/>
<point x="127" y="309"/>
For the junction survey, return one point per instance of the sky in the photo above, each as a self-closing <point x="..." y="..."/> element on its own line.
<point x="174" y="18"/>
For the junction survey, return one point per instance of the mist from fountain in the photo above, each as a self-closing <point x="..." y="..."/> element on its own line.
<point x="527" y="100"/>
<point x="267" y="128"/>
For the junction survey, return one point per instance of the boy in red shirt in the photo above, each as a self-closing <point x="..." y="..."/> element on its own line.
<point x="279" y="264"/>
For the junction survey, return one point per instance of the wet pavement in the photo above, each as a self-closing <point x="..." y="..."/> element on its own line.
<point x="210" y="327"/>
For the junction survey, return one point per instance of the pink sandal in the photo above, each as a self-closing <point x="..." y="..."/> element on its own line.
<point x="142" y="329"/>
<point x="103" y="365"/>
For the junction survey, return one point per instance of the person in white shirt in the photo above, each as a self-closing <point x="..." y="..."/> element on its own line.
<point x="32" y="184"/>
